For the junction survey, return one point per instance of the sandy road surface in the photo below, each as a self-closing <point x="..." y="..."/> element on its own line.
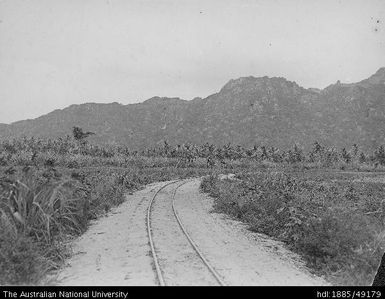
<point x="116" y="251"/>
<point x="178" y="260"/>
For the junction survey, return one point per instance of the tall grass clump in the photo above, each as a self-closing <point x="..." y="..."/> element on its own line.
<point x="38" y="210"/>
<point x="41" y="210"/>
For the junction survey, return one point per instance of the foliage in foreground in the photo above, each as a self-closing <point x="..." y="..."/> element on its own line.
<point x="336" y="225"/>
<point x="50" y="189"/>
<point x="41" y="209"/>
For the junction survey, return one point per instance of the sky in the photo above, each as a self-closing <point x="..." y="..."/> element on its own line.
<point x="55" y="53"/>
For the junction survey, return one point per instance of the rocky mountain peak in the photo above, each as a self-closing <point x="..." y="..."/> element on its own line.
<point x="246" y="84"/>
<point x="378" y="77"/>
<point x="163" y="100"/>
<point x="240" y="83"/>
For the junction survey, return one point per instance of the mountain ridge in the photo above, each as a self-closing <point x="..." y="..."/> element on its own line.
<point x="248" y="110"/>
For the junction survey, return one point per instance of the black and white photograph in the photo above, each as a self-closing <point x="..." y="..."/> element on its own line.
<point x="192" y="143"/>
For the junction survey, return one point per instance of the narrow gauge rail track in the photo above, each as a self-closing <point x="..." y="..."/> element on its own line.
<point x="183" y="230"/>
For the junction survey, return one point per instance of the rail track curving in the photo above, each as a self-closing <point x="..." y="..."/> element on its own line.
<point x="158" y="269"/>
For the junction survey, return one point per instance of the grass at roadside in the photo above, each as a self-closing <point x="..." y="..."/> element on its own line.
<point x="44" y="207"/>
<point x="51" y="188"/>
<point x="334" y="220"/>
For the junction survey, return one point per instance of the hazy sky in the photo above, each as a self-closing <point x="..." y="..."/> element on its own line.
<point x="54" y="53"/>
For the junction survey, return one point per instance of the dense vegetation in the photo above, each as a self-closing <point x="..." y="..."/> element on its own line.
<point x="51" y="188"/>
<point x="335" y="221"/>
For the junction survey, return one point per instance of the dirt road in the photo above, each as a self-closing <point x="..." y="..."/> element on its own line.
<point x="116" y="249"/>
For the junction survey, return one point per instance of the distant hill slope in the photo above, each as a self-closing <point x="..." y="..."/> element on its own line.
<point x="247" y="111"/>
